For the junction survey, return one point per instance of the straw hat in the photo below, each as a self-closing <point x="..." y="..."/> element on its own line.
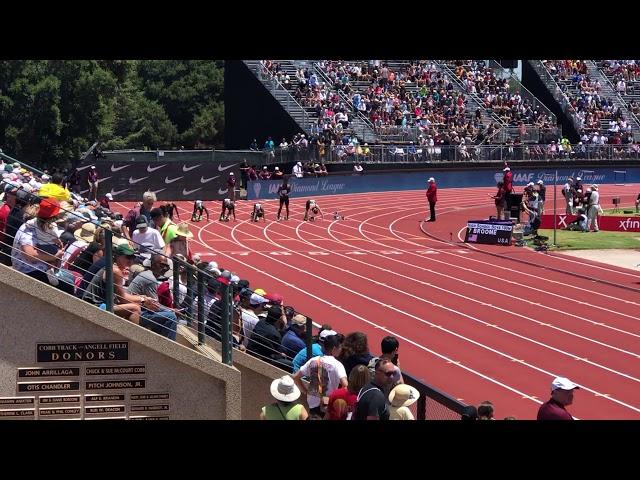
<point x="403" y="395"/>
<point x="284" y="389"/>
<point x="183" y="230"/>
<point x="86" y="232"/>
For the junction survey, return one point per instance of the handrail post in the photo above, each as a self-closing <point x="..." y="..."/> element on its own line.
<point x="227" y="317"/>
<point x="201" y="318"/>
<point x="176" y="282"/>
<point x="108" y="254"/>
<point x="189" y="296"/>
<point x="309" y="338"/>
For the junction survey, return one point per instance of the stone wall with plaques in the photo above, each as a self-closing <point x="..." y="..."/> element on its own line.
<point x="61" y="358"/>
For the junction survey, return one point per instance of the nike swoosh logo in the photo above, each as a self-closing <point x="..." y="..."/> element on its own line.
<point x="82" y="168"/>
<point x="103" y="179"/>
<point x="188" y="192"/>
<point x="158" y="191"/>
<point x="222" y="192"/>
<point x="171" y="180"/>
<point x="118" y="192"/>
<point x="222" y="169"/>
<point x="187" y="169"/>
<point x="115" y="169"/>
<point x="136" y="180"/>
<point x="85" y="191"/>
<point x="153" y="169"/>
<point x="205" y="180"/>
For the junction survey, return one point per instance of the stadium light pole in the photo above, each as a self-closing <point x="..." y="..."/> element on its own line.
<point x="555" y="212"/>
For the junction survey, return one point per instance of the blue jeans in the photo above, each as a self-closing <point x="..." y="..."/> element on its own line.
<point x="162" y="322"/>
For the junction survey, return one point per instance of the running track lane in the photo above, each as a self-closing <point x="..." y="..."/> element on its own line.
<point x="467" y="386"/>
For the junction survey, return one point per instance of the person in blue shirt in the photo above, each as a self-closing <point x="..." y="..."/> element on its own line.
<point x="316" y="350"/>
<point x="293" y="339"/>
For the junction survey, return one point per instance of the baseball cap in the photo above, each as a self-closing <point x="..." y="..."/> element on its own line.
<point x="230" y="173"/>
<point x="260" y="291"/>
<point x="540" y="182"/>
<point x="256" y="299"/>
<point x="124" y="249"/>
<point x="142" y="222"/>
<point x="299" y="320"/>
<point x="562" y="383"/>
<point x="327" y="333"/>
<point x="108" y="195"/>
<point x="506" y="169"/>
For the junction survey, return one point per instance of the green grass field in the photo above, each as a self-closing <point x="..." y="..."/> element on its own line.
<point x="569" y="240"/>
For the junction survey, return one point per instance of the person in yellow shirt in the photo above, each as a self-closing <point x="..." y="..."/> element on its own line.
<point x="54" y="189"/>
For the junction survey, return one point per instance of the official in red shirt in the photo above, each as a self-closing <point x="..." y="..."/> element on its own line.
<point x="561" y="396"/>
<point x="432" y="197"/>
<point x="507" y="180"/>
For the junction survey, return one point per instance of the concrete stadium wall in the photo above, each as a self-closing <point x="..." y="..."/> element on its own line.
<point x="140" y="374"/>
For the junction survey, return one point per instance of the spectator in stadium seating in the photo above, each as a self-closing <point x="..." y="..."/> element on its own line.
<point x="285" y="391"/>
<point x="297" y="170"/>
<point x="86" y="258"/>
<point x="54" y="189"/>
<point x="325" y="374"/>
<point x="432" y="198"/>
<point x="342" y="401"/>
<point x="264" y="173"/>
<point x="9" y="203"/>
<point x="485" y="411"/>
<point x="469" y="413"/>
<point x="253" y="176"/>
<point x="293" y="339"/>
<point x="83" y="237"/>
<point x="316" y="349"/>
<point x="355" y="351"/>
<point x="104" y="201"/>
<point x="147" y="237"/>
<point x="153" y="316"/>
<point x="180" y="243"/>
<point x="126" y="305"/>
<point x="561" y="396"/>
<point x="372" y="402"/>
<point x="401" y="398"/>
<point x="266" y="342"/>
<point x="36" y="246"/>
<point x="144" y="209"/>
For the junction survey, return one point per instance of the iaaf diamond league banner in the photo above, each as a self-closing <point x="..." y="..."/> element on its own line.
<point x="169" y="180"/>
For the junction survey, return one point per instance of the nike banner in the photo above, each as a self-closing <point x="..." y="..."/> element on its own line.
<point x="174" y="179"/>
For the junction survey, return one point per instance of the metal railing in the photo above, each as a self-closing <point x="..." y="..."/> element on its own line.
<point x="433" y="404"/>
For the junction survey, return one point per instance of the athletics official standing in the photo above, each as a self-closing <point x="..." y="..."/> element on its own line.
<point x="432" y="197"/>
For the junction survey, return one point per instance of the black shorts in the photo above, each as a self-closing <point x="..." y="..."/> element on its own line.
<point x="284" y="200"/>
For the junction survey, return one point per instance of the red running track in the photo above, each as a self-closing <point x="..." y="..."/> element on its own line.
<point x="478" y="326"/>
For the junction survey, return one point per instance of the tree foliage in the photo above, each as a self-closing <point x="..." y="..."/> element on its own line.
<point x="53" y="110"/>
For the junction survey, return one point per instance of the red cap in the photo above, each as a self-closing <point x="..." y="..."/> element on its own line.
<point x="274" y="298"/>
<point x="49" y="208"/>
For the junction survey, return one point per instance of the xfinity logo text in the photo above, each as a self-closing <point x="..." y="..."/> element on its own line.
<point x="629" y="223"/>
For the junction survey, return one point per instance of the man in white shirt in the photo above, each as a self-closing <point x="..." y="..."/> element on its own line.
<point x="594" y="207"/>
<point x="147" y="237"/>
<point x="325" y="373"/>
<point x="568" y="195"/>
<point x="251" y="316"/>
<point x="297" y="170"/>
